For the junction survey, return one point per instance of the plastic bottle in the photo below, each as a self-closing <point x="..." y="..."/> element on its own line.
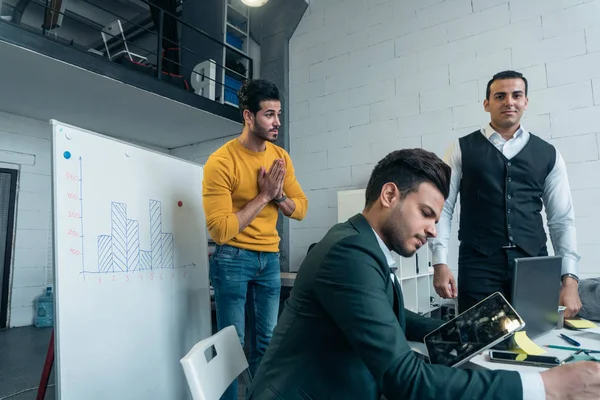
<point x="44" y="309"/>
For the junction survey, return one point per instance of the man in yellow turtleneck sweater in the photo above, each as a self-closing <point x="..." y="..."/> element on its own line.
<point x="246" y="182"/>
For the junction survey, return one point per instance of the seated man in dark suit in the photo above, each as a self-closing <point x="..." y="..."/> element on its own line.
<point x="344" y="330"/>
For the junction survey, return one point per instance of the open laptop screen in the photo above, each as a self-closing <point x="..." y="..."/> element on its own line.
<point x="480" y="327"/>
<point x="536" y="292"/>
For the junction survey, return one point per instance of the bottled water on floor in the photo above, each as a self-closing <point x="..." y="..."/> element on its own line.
<point x="44" y="309"/>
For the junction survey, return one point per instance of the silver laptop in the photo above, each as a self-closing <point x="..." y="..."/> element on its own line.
<point x="535" y="292"/>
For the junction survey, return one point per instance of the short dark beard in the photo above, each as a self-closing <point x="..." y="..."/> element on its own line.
<point x="390" y="232"/>
<point x="262" y="134"/>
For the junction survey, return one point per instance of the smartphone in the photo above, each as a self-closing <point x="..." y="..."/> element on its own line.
<point x="523" y="359"/>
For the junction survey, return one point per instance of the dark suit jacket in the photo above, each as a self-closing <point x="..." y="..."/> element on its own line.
<point x="340" y="336"/>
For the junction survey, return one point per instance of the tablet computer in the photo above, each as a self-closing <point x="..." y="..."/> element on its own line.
<point x="479" y="328"/>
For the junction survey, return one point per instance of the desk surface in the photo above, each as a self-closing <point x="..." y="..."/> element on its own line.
<point x="287" y="279"/>
<point x="588" y="340"/>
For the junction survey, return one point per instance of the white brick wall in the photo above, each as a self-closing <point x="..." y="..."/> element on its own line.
<point x="199" y="152"/>
<point x="29" y="142"/>
<point x="390" y="74"/>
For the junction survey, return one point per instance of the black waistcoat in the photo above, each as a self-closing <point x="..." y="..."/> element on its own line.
<point x="501" y="199"/>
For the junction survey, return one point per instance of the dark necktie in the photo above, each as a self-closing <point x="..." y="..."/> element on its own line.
<point x="397" y="292"/>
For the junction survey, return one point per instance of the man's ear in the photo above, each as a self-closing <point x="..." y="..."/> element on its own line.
<point x="486" y="104"/>
<point x="390" y="195"/>
<point x="248" y="117"/>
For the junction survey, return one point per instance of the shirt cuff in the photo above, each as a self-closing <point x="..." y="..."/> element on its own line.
<point x="533" y="386"/>
<point x="439" y="256"/>
<point x="569" y="266"/>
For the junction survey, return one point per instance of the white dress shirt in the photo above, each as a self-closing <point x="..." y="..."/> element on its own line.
<point x="533" y="385"/>
<point x="556" y="198"/>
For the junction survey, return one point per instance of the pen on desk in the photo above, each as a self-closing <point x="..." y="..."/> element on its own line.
<point x="552" y="346"/>
<point x="568" y="339"/>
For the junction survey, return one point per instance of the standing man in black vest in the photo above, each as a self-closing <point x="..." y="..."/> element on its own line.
<point x="504" y="175"/>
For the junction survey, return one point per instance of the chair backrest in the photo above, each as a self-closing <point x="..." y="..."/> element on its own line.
<point x="114" y="30"/>
<point x="207" y="377"/>
<point x="203" y="79"/>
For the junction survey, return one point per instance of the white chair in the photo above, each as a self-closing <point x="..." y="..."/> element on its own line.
<point x="208" y="377"/>
<point x="203" y="79"/>
<point x="115" y="30"/>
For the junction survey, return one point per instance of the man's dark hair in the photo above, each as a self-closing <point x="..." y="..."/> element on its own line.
<point x="505" y="75"/>
<point x="407" y="169"/>
<point x="253" y="92"/>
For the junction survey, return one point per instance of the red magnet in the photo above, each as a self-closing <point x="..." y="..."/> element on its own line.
<point x="180" y="203"/>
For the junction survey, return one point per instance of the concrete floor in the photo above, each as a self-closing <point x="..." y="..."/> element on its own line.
<point x="22" y="356"/>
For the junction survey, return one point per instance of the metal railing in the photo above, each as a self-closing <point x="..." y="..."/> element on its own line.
<point x="120" y="39"/>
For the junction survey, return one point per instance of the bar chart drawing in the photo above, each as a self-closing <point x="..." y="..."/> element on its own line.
<point x="121" y="251"/>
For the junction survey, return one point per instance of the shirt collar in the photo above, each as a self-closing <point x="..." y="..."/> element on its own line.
<point x="386" y="252"/>
<point x="488" y="132"/>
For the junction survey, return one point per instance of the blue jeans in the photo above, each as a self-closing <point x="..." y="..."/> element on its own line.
<point x="236" y="275"/>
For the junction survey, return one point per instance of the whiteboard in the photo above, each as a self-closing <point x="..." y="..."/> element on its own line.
<point x="131" y="280"/>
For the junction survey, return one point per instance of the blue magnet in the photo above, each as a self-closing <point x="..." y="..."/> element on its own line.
<point x="67" y="155"/>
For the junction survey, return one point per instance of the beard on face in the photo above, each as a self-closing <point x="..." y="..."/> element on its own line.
<point x="394" y="231"/>
<point x="262" y="133"/>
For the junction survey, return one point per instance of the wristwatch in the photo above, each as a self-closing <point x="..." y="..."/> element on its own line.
<point x="281" y="199"/>
<point x="562" y="278"/>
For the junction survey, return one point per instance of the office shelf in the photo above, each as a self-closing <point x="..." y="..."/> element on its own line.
<point x="235" y="36"/>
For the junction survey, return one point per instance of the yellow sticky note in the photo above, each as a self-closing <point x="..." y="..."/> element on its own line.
<point x="580" y="323"/>
<point x="527" y="345"/>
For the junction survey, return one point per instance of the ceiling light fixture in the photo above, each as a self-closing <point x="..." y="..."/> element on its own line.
<point x="255" y="3"/>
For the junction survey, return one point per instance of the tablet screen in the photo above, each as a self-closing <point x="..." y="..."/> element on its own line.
<point x="478" y="328"/>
